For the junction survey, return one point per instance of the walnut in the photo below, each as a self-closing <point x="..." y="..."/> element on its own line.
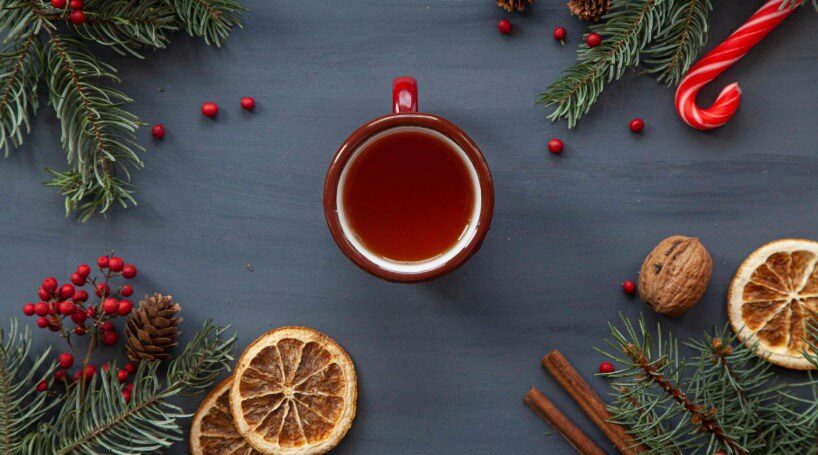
<point x="675" y="275"/>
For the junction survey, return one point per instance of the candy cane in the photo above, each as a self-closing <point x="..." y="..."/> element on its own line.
<point x="718" y="60"/>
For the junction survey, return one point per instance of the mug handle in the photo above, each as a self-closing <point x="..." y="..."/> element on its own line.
<point x="404" y="95"/>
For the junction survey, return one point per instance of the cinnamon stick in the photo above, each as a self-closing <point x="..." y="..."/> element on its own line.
<point x="589" y="401"/>
<point x="544" y="408"/>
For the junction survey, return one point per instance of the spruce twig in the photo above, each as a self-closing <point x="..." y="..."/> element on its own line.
<point x="20" y="71"/>
<point x="128" y="26"/>
<point x="683" y="35"/>
<point x="211" y="20"/>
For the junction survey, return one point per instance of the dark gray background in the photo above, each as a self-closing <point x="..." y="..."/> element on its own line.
<point x="442" y="366"/>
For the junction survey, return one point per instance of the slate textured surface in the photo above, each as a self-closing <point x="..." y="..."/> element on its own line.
<point x="443" y="366"/>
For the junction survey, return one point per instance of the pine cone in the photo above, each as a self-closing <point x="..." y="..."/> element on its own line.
<point x="152" y="330"/>
<point x="513" y="5"/>
<point x="589" y="10"/>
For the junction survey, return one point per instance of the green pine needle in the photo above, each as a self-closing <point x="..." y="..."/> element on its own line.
<point x="20" y="71"/>
<point x="209" y="19"/>
<point x="683" y="36"/>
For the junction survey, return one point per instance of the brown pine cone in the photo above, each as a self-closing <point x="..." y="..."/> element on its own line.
<point x="589" y="10"/>
<point x="513" y="5"/>
<point x="152" y="330"/>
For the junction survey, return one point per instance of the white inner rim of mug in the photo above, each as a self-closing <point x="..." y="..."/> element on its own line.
<point x="426" y="264"/>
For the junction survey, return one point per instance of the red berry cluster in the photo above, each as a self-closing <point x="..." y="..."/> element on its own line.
<point x="66" y="361"/>
<point x="77" y="17"/>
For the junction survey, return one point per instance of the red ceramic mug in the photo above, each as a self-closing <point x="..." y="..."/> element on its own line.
<point x="409" y="196"/>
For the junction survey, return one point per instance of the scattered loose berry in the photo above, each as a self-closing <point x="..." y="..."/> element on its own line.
<point x="248" y="103"/>
<point x="67" y="291"/>
<point x="78" y="279"/>
<point x="116" y="264"/>
<point x="67" y="307"/>
<point x="125" y="307"/>
<point x="80" y="330"/>
<point x="158" y="131"/>
<point x="130" y="367"/>
<point x="126" y="394"/>
<point x="59" y="375"/>
<point x="102" y="290"/>
<point x="637" y="125"/>
<point x="50" y="284"/>
<point x="43" y="294"/>
<point x="75" y="4"/>
<point x="606" y="367"/>
<point x="77" y="17"/>
<point x="629" y="287"/>
<point x="42" y="322"/>
<point x="84" y="270"/>
<point x="66" y="360"/>
<point x="41" y="309"/>
<point x="210" y="109"/>
<point x="122" y="375"/>
<point x="126" y="290"/>
<point x="59" y="4"/>
<point x="80" y="296"/>
<point x="110" y="305"/>
<point x="555" y="146"/>
<point x="107" y="326"/>
<point x="42" y="386"/>
<point x="129" y="271"/>
<point x="102" y="262"/>
<point x="504" y="26"/>
<point x="559" y="33"/>
<point x="593" y="40"/>
<point x="28" y="309"/>
<point x="79" y="316"/>
<point x="110" y="338"/>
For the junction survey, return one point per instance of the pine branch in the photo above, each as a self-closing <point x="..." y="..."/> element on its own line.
<point x="22" y="18"/>
<point x="629" y="26"/>
<point x="21" y="405"/>
<point x="683" y="35"/>
<point x="97" y="134"/>
<point x="20" y="71"/>
<point x="209" y="19"/>
<point x="102" y="422"/>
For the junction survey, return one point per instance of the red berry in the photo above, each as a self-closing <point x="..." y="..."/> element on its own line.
<point x="110" y="338"/>
<point x="43" y="294"/>
<point x="28" y="309"/>
<point x="67" y="291"/>
<point x="122" y="375"/>
<point x="629" y="287"/>
<point x="77" y="279"/>
<point x="128" y="387"/>
<point x="79" y="316"/>
<point x="42" y="386"/>
<point x="606" y="367"/>
<point x="102" y="262"/>
<point x="59" y="375"/>
<point x="77" y="17"/>
<point x="67" y="308"/>
<point x="107" y="326"/>
<point x="637" y="125"/>
<point x="555" y="146"/>
<point x="158" y="131"/>
<point x="91" y="311"/>
<point x="66" y="360"/>
<point x="126" y="290"/>
<point x="593" y="40"/>
<point x="80" y="296"/>
<point x="83" y="270"/>
<point x="210" y="109"/>
<point x="54" y="324"/>
<point x="41" y="309"/>
<point x="80" y="330"/>
<point x="106" y="367"/>
<point x="130" y="367"/>
<point x="125" y="307"/>
<point x="129" y="271"/>
<point x="76" y="375"/>
<point x="504" y="26"/>
<point x="110" y="305"/>
<point x="116" y="264"/>
<point x="559" y="33"/>
<point x="102" y="290"/>
<point x="59" y="4"/>
<point x="75" y="4"/>
<point x="42" y="322"/>
<point x="50" y="284"/>
<point x="126" y="394"/>
<point x="248" y="103"/>
<point x="90" y="370"/>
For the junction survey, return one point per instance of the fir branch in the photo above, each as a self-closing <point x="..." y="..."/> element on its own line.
<point x="20" y="71"/>
<point x="683" y="35"/>
<point x="22" y="18"/>
<point x="102" y="422"/>
<point x="21" y="405"/>
<point x="629" y="26"/>
<point x="209" y="19"/>
<point x="97" y="134"/>
<point x="128" y="25"/>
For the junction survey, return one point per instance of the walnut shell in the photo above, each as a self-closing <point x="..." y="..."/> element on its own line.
<point x="675" y="275"/>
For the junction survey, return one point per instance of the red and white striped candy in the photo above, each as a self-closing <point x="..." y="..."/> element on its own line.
<point x="718" y="60"/>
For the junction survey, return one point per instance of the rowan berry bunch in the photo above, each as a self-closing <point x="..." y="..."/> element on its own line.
<point x="70" y="310"/>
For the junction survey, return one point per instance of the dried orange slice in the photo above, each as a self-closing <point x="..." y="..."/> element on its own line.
<point x="774" y="297"/>
<point x="212" y="431"/>
<point x="294" y="392"/>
